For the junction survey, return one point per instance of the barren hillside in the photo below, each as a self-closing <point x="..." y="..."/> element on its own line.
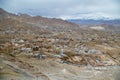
<point x="39" y="48"/>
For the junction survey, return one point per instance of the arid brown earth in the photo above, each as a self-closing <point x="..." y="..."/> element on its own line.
<point x="37" y="48"/>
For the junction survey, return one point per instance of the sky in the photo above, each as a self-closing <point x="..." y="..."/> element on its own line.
<point x="65" y="9"/>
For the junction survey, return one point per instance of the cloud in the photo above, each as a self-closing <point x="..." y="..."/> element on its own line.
<point x="64" y="8"/>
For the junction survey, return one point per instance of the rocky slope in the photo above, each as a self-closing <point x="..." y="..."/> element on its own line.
<point x="37" y="48"/>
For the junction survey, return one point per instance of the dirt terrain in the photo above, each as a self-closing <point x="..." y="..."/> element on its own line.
<point x="38" y="48"/>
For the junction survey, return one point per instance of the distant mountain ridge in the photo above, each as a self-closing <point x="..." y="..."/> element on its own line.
<point x="56" y="24"/>
<point x="107" y="25"/>
<point x="37" y="20"/>
<point x="115" y="22"/>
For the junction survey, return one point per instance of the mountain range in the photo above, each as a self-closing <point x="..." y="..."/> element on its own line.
<point x="115" y="22"/>
<point x="54" y="23"/>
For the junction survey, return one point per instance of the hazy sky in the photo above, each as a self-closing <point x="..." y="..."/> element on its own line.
<point x="65" y="9"/>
